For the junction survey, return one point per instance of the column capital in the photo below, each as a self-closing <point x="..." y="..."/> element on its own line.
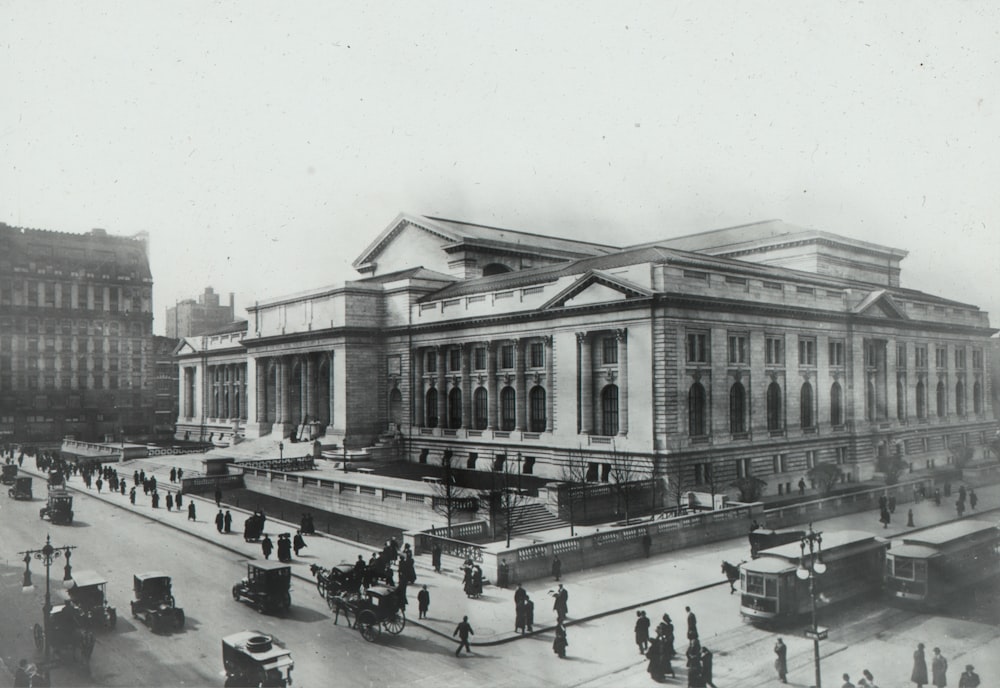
<point x="582" y="337"/>
<point x="621" y="334"/>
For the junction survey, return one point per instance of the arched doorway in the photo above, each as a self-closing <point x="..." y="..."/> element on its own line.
<point x="395" y="408"/>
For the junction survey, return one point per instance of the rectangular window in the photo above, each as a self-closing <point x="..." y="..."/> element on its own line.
<point x="738" y="352"/>
<point x="507" y="356"/>
<point x="836" y="353"/>
<point x="609" y="351"/>
<point x="455" y="360"/>
<point x="479" y="358"/>
<point x="742" y="468"/>
<point x="432" y="362"/>
<point x="772" y="285"/>
<point x="774" y="351"/>
<point x="960" y="358"/>
<point x="702" y="473"/>
<point x="696" y="274"/>
<point x="807" y="351"/>
<point x="805" y="290"/>
<point x="841" y="455"/>
<point x="528" y="467"/>
<point x="537" y="355"/>
<point x="941" y="357"/>
<point x="901" y="356"/>
<point x="920" y="356"/>
<point x="780" y="463"/>
<point x="697" y="347"/>
<point x="977" y="359"/>
<point x="810" y="459"/>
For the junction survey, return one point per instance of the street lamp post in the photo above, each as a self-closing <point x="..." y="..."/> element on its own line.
<point x="809" y="568"/>
<point x="47" y="555"/>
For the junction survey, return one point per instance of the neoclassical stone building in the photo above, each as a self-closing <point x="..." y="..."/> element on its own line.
<point x="761" y="349"/>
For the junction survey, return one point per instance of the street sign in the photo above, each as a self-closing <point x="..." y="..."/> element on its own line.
<point x="819" y="634"/>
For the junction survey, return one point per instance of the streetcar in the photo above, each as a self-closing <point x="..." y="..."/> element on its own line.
<point x="925" y="568"/>
<point x="770" y="590"/>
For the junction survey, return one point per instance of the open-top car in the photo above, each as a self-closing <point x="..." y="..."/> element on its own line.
<point x="252" y="658"/>
<point x="87" y="600"/>
<point x="266" y="586"/>
<point x="9" y="472"/>
<point x="59" y="508"/>
<point x="154" y="602"/>
<point x="21" y="488"/>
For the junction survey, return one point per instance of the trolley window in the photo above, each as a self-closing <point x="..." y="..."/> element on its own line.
<point x="756" y="584"/>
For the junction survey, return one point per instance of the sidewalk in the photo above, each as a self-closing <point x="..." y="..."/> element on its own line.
<point x="593" y="593"/>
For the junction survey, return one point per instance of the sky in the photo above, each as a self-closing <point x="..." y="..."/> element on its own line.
<point x="263" y="145"/>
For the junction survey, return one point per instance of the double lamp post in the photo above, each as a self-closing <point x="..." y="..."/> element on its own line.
<point x="810" y="566"/>
<point x="47" y="555"/>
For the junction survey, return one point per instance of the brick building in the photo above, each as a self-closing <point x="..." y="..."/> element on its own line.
<point x="75" y="335"/>
<point x="756" y="350"/>
<point x="193" y="317"/>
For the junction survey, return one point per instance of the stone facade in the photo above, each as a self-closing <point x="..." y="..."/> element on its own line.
<point x="578" y="361"/>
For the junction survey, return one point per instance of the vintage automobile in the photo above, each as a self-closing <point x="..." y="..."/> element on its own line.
<point x="154" y="602"/>
<point x="379" y="608"/>
<point x="266" y="586"/>
<point x="252" y="658"/>
<point x="22" y="488"/>
<point x="8" y="474"/>
<point x="59" y="508"/>
<point x="65" y="634"/>
<point x="338" y="580"/>
<point x="88" y="603"/>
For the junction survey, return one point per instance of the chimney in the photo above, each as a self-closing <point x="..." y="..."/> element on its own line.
<point x="232" y="306"/>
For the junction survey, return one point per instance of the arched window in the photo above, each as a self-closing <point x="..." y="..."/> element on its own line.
<point x="806" y="419"/>
<point x="508" y="408"/>
<point x="536" y="402"/>
<point x="921" y="400"/>
<point x="480" y="408"/>
<point x="696" y="410"/>
<point x="836" y="404"/>
<point x="960" y="398"/>
<point x="977" y="397"/>
<point x="609" y="410"/>
<point x="774" y="406"/>
<point x="737" y="408"/>
<point x="395" y="407"/>
<point x="431" y="408"/>
<point x="942" y="399"/>
<point x="455" y="408"/>
<point x="495" y="269"/>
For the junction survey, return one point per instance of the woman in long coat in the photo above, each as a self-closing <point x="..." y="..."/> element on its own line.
<point x="939" y="669"/>
<point x="560" y="643"/>
<point x="919" y="673"/>
<point x="781" y="661"/>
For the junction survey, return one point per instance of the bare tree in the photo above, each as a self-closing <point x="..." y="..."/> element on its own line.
<point x="574" y="472"/>
<point x="675" y="484"/>
<point x="506" y="499"/>
<point x="625" y="471"/>
<point x="825" y="475"/>
<point x="750" y="488"/>
<point x="449" y="497"/>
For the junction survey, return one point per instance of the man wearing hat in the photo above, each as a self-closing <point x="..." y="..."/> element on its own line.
<point x="969" y="678"/>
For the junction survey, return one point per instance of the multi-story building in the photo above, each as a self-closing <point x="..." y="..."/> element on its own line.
<point x="190" y="317"/>
<point x="166" y="405"/>
<point x="756" y="350"/>
<point x="75" y="335"/>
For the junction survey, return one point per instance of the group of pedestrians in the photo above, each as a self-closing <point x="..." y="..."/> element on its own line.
<point x="939" y="670"/>
<point x="660" y="651"/>
<point x="524" y="611"/>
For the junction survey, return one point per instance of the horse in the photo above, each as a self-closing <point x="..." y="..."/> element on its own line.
<point x="732" y="572"/>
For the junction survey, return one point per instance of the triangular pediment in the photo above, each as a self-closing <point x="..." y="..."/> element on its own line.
<point x="596" y="287"/>
<point x="418" y="228"/>
<point x="184" y="348"/>
<point x="880" y="304"/>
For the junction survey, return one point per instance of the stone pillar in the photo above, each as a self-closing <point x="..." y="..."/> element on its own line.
<point x="418" y="387"/>
<point x="520" y="416"/>
<point x="622" y="338"/>
<point x="330" y="393"/>
<point x="549" y="386"/>
<point x="466" y="386"/>
<point x="310" y="387"/>
<point x="442" y="389"/>
<point x="261" y="377"/>
<point x="282" y="389"/>
<point x="586" y="383"/>
<point x="493" y="403"/>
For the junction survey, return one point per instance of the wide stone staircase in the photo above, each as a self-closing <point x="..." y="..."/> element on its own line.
<point x="532" y="518"/>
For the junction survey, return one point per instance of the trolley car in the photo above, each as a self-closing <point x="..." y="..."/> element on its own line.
<point x="927" y="567"/>
<point x="770" y="590"/>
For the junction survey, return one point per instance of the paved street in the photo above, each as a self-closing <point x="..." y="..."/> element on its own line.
<point x="601" y="606"/>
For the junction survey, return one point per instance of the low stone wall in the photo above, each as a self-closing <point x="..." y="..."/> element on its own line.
<point x="201" y="484"/>
<point x="830" y="507"/>
<point x="404" y="504"/>
<point x="982" y="474"/>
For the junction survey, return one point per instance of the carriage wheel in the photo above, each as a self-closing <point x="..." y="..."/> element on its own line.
<point x="396" y="624"/>
<point x="179" y="618"/>
<point x="236" y="593"/>
<point x="154" y="623"/>
<point x="111" y="619"/>
<point x="39" y="635"/>
<point x="321" y="585"/>
<point x="368" y="625"/>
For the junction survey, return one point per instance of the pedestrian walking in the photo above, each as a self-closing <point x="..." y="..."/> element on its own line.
<point x="436" y="557"/>
<point x="180" y="474"/>
<point x="191" y="516"/>
<point x="173" y="475"/>
<point x="909" y="518"/>
<point x="23" y="675"/>
<point x="561" y="604"/>
<point x="642" y="631"/>
<point x="266" y="547"/>
<point x="156" y="499"/>
<point x="969" y="678"/>
<point x="868" y="679"/>
<point x="284" y="548"/>
<point x="220" y="521"/>
<point x="556" y="567"/>
<point x="706" y="666"/>
<point x="665" y="630"/>
<point x="131" y="496"/>
<point x="802" y="486"/>
<point x="423" y="602"/>
<point x="178" y="502"/>
<point x="973" y="499"/>
<point x="135" y="478"/>
<point x="960" y="507"/>
<point x="463" y="631"/>
<point x="298" y="543"/>
<point x="692" y="622"/>
<point x="847" y="682"/>
<point x="170" y="501"/>
<point x="885" y="517"/>
<point x="122" y="486"/>
<point x="892" y="504"/>
<point x="227" y="523"/>
<point x="939" y="669"/>
<point x="919" y="673"/>
<point x="529" y="615"/>
<point x="218" y="497"/>
<point x="937" y="497"/>
<point x="781" y="660"/>
<point x="519" y="609"/>
<point x="100" y="484"/>
<point x="561" y="642"/>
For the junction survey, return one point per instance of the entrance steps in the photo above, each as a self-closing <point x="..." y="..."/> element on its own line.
<point x="532" y="518"/>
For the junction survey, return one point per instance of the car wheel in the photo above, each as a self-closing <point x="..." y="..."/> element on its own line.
<point x="179" y="618"/>
<point x="236" y="593"/>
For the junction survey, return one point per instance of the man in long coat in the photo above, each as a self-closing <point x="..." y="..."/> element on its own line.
<point x="642" y="631"/>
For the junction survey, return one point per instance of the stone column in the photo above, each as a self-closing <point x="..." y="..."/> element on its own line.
<point x="418" y="387"/>
<point x="330" y="393"/>
<point x="520" y="416"/>
<point x="442" y="389"/>
<point x="310" y="387"/>
<point x="282" y="389"/>
<point x="491" y="386"/>
<point x="622" y="338"/>
<point x="586" y="383"/>
<point x="261" y="365"/>
<point x="466" y="386"/>
<point x="549" y="386"/>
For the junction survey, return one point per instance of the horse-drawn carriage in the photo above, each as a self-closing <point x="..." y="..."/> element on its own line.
<point x="88" y="602"/>
<point x="266" y="586"/>
<point x="65" y="634"/>
<point x="337" y="580"/>
<point x="154" y="601"/>
<point x="21" y="488"/>
<point x="380" y="607"/>
<point x="254" y="659"/>
<point x="59" y="507"/>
